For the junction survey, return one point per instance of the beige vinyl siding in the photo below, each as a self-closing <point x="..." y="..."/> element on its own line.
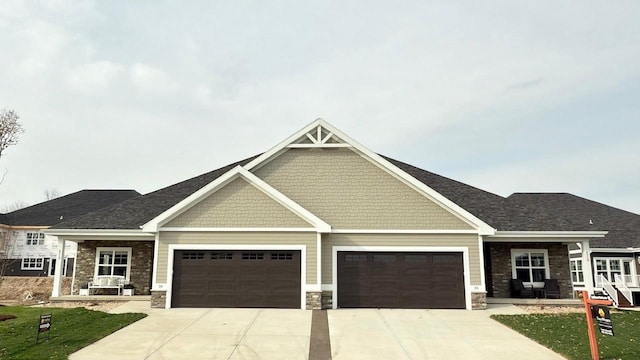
<point x="469" y="241"/>
<point x="349" y="192"/>
<point x="243" y="238"/>
<point x="238" y="205"/>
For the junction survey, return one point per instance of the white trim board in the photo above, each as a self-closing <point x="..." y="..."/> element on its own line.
<point x="214" y="229"/>
<point x="220" y="182"/>
<point x="429" y="249"/>
<point x="174" y="247"/>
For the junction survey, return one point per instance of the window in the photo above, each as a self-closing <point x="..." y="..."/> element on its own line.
<point x="32" y="264"/>
<point x="113" y="262"/>
<point x="252" y="256"/>
<point x="609" y="268"/>
<point x="221" y="256"/>
<point x="52" y="267"/>
<point x="577" y="275"/>
<point x="281" y="256"/>
<point x="530" y="266"/>
<point x="35" y="238"/>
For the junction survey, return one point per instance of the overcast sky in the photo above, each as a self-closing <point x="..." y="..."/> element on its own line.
<point x="505" y="96"/>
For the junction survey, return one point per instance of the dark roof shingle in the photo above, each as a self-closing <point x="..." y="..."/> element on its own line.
<point x="66" y="207"/>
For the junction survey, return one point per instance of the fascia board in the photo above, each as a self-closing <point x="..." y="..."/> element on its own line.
<point x="483" y="228"/>
<point x="549" y="234"/>
<point x="238" y="171"/>
<point x="97" y="232"/>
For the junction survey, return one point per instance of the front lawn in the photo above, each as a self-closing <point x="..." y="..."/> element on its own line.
<point x="566" y="334"/>
<point x="71" y="330"/>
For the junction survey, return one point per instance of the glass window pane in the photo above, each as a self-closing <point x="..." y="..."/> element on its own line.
<point x="601" y="264"/>
<point x="573" y="266"/>
<point x="120" y="271"/>
<point x="614" y="264"/>
<point x="523" y="274"/>
<point x="120" y="258"/>
<point x="537" y="259"/>
<point x="579" y="262"/>
<point x="105" y="258"/>
<point x="580" y="277"/>
<point x="538" y="275"/>
<point x="522" y="260"/>
<point x="104" y="270"/>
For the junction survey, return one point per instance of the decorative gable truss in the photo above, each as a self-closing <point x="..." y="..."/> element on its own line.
<point x="321" y="134"/>
<point x="238" y="172"/>
<point x="319" y="137"/>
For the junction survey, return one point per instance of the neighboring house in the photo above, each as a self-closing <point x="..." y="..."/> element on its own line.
<point x="321" y="221"/>
<point x="28" y="251"/>
<point x="614" y="260"/>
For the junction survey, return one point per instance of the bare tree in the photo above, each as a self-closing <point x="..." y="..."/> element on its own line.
<point x="16" y="205"/>
<point x="51" y="194"/>
<point x="10" y="129"/>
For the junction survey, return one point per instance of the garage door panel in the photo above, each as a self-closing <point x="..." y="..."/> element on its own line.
<point x="400" y="280"/>
<point x="224" y="278"/>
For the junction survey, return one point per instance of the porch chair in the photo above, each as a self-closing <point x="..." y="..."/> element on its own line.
<point x="518" y="289"/>
<point x="551" y="289"/>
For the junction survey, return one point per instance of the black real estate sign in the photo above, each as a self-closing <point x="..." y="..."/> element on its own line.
<point x="44" y="325"/>
<point x="603" y="316"/>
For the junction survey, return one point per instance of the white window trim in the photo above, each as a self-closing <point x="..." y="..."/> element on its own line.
<point x="577" y="271"/>
<point x="608" y="259"/>
<point x="39" y="239"/>
<point x="23" y="267"/>
<point x="514" y="274"/>
<point x="52" y="266"/>
<point x="99" y="249"/>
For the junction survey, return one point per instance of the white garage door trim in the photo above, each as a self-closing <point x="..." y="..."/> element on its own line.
<point x="429" y="249"/>
<point x="301" y="248"/>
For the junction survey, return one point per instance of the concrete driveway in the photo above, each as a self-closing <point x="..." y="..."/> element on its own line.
<point x="286" y="334"/>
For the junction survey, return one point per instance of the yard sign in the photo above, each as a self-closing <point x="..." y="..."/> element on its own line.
<point x="44" y="325"/>
<point x="593" y="342"/>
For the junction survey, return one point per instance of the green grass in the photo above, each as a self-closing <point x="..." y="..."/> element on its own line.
<point x="566" y="334"/>
<point x="71" y="330"/>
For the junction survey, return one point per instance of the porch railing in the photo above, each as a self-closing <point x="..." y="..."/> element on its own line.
<point x="608" y="287"/>
<point x="631" y="280"/>
<point x="624" y="290"/>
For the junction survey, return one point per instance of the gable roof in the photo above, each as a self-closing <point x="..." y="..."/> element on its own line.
<point x="133" y="213"/>
<point x="219" y="183"/>
<point x="56" y="210"/>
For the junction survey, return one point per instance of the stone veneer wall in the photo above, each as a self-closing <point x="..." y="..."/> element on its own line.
<point x="500" y="255"/>
<point x="327" y="300"/>
<point x="314" y="301"/>
<point x="158" y="299"/>
<point x="478" y="301"/>
<point x="141" y="263"/>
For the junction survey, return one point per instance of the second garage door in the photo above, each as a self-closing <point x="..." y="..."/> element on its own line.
<point x="417" y="280"/>
<point x="236" y="279"/>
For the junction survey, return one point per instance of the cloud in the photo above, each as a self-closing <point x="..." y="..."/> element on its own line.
<point x="94" y="77"/>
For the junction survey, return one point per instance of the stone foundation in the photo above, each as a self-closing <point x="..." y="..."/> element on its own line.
<point x="327" y="300"/>
<point x="141" y="263"/>
<point x="314" y="300"/>
<point x="478" y="301"/>
<point x="501" y="268"/>
<point x="158" y="299"/>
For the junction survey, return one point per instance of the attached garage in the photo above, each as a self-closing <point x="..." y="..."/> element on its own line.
<point x="412" y="280"/>
<point x="236" y="278"/>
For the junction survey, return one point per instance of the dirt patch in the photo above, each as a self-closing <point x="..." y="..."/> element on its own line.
<point x="6" y="317"/>
<point x="104" y="306"/>
<point x="24" y="290"/>
<point x="551" y="309"/>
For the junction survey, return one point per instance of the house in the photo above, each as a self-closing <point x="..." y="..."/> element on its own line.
<point x="613" y="261"/>
<point x="28" y="251"/>
<point x="320" y="221"/>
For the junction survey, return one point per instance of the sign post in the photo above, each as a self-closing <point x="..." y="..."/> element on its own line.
<point x="44" y="325"/>
<point x="593" y="342"/>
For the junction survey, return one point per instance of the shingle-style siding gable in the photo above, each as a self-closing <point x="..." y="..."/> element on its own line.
<point x="349" y="192"/>
<point x="238" y="205"/>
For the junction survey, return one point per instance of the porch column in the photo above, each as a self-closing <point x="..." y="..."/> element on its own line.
<point x="57" y="278"/>
<point x="586" y="267"/>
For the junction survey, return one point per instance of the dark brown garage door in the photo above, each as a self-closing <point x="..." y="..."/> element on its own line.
<point x="409" y="280"/>
<point x="236" y="279"/>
